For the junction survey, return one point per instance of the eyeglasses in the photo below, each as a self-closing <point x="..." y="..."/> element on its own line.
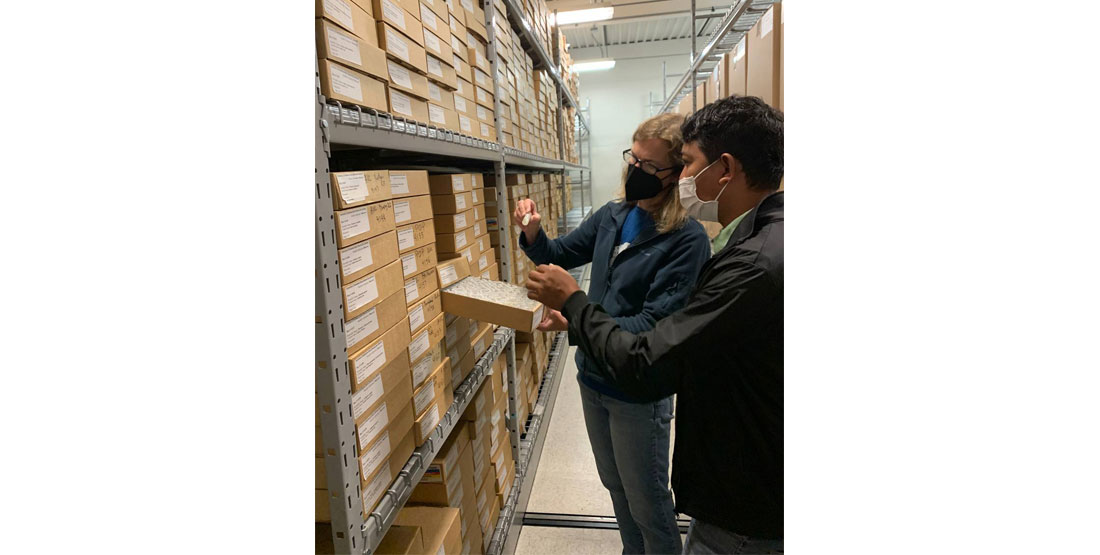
<point x="645" y="165"/>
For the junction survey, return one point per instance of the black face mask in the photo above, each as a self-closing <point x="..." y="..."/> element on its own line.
<point x="640" y="185"/>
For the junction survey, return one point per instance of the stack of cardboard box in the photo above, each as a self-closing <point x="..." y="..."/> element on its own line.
<point x="420" y="529"/>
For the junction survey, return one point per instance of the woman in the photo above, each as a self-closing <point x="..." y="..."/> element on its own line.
<point x="645" y="255"/>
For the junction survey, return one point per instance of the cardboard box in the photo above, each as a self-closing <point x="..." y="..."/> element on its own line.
<point x="401" y="540"/>
<point x="360" y="295"/>
<point x="483" y="97"/>
<point x="458" y="328"/>
<point x="441" y="97"/>
<point x="458" y="46"/>
<point x="765" y="41"/>
<point x="412" y="209"/>
<point x="446" y="184"/>
<point x="453" y="203"/>
<point x="504" y="487"/>
<point x="441" y="72"/>
<point x="465" y="110"/>
<point x="375" y="359"/>
<point x="484" y="243"/>
<point x="465" y="89"/>
<point x="420" y="286"/>
<point x="450" y="272"/>
<point x="401" y="48"/>
<point x="478" y="198"/>
<point x="461" y="370"/>
<point x="403" y="79"/>
<point x="427" y="422"/>
<point x="447" y="119"/>
<point x="407" y="106"/>
<point x="367" y="327"/>
<point x="321" y="508"/>
<point x="482" y="79"/>
<point x="481" y="228"/>
<point x="418" y="260"/>
<point x="475" y="23"/>
<point x="736" y="70"/>
<point x="423" y="340"/>
<point x="393" y="448"/>
<point x="372" y="493"/>
<point x="484" y="114"/>
<point x="453" y="223"/>
<point x="415" y="235"/>
<point x="439" y="48"/>
<point x="394" y="411"/>
<point x="453" y="242"/>
<point x="357" y="188"/>
<point x="423" y="312"/>
<point x="431" y="392"/>
<point x="481" y="342"/>
<point x="338" y="45"/>
<point x="436" y="24"/>
<point x="439" y="7"/>
<point x="465" y="75"/>
<point x="429" y="363"/>
<point x="438" y="525"/>
<point x="398" y="17"/>
<point x="407" y="183"/>
<point x="356" y="224"/>
<point x="510" y="306"/>
<point x="365" y="257"/>
<point x="350" y="17"/>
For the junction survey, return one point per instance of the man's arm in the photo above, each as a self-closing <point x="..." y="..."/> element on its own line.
<point x="652" y="363"/>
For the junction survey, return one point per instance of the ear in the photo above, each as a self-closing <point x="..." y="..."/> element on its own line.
<point x="731" y="168"/>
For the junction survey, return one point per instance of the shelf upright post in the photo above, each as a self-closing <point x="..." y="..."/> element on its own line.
<point x="561" y="118"/>
<point x="333" y="382"/>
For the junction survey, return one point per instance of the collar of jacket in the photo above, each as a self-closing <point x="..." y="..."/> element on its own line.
<point x="768" y="211"/>
<point x="618" y="216"/>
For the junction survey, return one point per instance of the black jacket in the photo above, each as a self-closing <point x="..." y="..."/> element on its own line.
<point x="643" y="284"/>
<point x="723" y="355"/>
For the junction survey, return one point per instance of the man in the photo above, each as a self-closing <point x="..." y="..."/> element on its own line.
<point x="723" y="352"/>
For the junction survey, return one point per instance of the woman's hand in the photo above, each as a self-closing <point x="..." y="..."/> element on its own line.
<point x="553" y="321"/>
<point x="526" y="209"/>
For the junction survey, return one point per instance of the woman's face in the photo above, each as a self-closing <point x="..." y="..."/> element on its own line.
<point x="656" y="152"/>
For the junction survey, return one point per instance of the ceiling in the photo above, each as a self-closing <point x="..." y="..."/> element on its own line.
<point x="641" y="22"/>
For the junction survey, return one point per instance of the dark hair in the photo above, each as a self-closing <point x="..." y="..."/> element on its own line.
<point x="747" y="129"/>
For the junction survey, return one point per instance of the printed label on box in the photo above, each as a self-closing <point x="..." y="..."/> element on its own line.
<point x="396" y="45"/>
<point x="434" y="92"/>
<point x="362" y="292"/>
<point x="411" y="291"/>
<point x="480" y="78"/>
<point x="433" y="43"/>
<point x="373" y="425"/>
<point x="353" y="259"/>
<point x="399" y="185"/>
<point x="448" y="275"/>
<point x="400" y="76"/>
<point x="340" y="12"/>
<point x="416" y="319"/>
<point x="766" y="23"/>
<point x="469" y="5"/>
<point x="393" y="13"/>
<point x="428" y="18"/>
<point x="482" y="112"/>
<point x="483" y="262"/>
<point x="400" y="103"/>
<point x="375" y="454"/>
<point x="363" y="399"/>
<point x="434" y="67"/>
<point x="477" y="231"/>
<point x="402" y="211"/>
<point x="460" y="105"/>
<point x="422" y="370"/>
<point x="484" y="130"/>
<point x="482" y="95"/>
<point x="480" y="243"/>
<point x="460" y="221"/>
<point x="419" y="345"/>
<point x="463" y="121"/>
<point x="455" y="43"/>
<point x="353" y="187"/>
<point x="374" y="491"/>
<point x="460" y="241"/>
<point x="436" y="114"/>
<point x="361" y="327"/>
<point x="354" y="222"/>
<point x="344" y="47"/>
<point x="408" y="263"/>
<point x="406" y="239"/>
<point x="460" y="203"/>
<point x="739" y="52"/>
<point x="426" y="396"/>
<point x="458" y="182"/>
<point x="372" y="360"/>
<point x="430" y="420"/>
<point x="481" y="60"/>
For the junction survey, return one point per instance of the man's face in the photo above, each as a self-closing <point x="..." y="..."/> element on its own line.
<point x="707" y="184"/>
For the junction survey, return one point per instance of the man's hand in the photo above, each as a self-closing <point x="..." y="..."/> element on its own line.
<point x="553" y="321"/>
<point x="526" y="207"/>
<point x="551" y="285"/>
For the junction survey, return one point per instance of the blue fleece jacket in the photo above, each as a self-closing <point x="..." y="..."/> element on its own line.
<point x="646" y="282"/>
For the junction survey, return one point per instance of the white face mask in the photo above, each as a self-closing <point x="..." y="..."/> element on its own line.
<point x="706" y="211"/>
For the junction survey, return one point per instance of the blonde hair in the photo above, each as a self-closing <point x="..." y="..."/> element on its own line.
<point x="666" y="127"/>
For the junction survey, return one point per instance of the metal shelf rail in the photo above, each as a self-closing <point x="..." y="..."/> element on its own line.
<point x="741" y="17"/>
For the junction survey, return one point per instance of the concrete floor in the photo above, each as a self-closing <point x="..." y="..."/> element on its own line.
<point x="542" y="540"/>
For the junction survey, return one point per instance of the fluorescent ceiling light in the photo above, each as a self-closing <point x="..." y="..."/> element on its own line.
<point x="584" y="16"/>
<point x="597" y="65"/>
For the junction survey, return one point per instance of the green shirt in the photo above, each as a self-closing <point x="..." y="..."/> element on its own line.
<point x="723" y="236"/>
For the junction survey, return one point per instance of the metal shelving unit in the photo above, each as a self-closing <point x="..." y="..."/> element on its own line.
<point x="741" y="17"/>
<point x="344" y="127"/>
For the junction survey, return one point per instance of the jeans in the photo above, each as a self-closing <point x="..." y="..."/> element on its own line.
<point x="630" y="443"/>
<point x="703" y="538"/>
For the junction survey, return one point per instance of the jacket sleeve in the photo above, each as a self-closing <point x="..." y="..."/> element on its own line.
<point x="652" y="363"/>
<point x="575" y="249"/>
<point x="672" y="284"/>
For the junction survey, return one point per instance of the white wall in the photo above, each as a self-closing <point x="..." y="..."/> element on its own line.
<point x="619" y="102"/>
